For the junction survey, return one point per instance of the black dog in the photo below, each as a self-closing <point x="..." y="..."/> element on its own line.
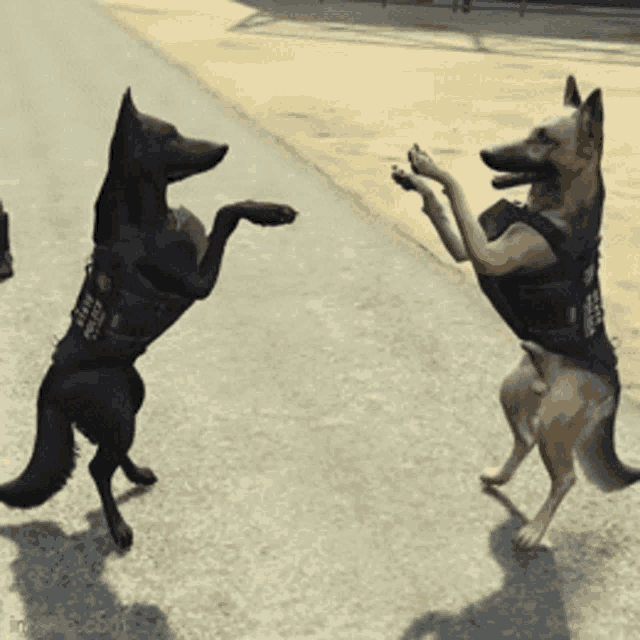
<point x="149" y="265"/>
<point x="6" y="261"/>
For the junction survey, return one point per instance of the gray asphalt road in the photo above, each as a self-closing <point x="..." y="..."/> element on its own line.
<point x="318" y="425"/>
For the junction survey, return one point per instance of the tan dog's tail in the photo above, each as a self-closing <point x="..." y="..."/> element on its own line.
<point x="595" y="451"/>
<point x="598" y="458"/>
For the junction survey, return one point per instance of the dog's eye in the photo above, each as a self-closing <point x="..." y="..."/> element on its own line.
<point x="543" y="137"/>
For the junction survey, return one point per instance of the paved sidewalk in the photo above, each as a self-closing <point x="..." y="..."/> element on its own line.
<point x="350" y="86"/>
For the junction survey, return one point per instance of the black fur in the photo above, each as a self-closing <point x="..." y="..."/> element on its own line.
<point x="94" y="385"/>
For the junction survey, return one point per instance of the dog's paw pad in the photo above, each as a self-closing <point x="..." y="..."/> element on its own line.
<point x="269" y="215"/>
<point x="404" y="180"/>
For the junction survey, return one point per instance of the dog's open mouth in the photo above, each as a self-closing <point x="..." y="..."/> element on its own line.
<point x="520" y="163"/>
<point x="179" y="174"/>
<point x="507" y="180"/>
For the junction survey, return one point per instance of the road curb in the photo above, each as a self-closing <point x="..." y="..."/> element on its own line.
<point x="545" y="8"/>
<point x="513" y="7"/>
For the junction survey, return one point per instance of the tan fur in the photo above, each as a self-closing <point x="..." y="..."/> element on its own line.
<point x="548" y="401"/>
<point x="574" y="406"/>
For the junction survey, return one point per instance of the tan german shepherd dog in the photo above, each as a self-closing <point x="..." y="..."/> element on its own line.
<point x="558" y="401"/>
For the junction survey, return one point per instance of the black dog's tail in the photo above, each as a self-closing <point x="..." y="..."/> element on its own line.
<point x="51" y="464"/>
<point x="599" y="460"/>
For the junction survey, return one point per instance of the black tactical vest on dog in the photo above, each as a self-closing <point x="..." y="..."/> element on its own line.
<point x="111" y="324"/>
<point x="558" y="307"/>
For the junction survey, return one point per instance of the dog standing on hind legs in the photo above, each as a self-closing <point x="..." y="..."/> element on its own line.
<point x="538" y="265"/>
<point x="150" y="264"/>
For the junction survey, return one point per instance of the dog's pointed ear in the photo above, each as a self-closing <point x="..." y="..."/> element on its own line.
<point x="571" y="93"/>
<point x="127" y="108"/>
<point x="591" y="118"/>
<point x="124" y="130"/>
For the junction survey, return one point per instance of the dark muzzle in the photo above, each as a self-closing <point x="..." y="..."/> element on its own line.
<point x="523" y="163"/>
<point x="193" y="156"/>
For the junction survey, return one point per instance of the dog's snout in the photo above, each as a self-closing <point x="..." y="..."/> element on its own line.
<point x="221" y="152"/>
<point x="490" y="157"/>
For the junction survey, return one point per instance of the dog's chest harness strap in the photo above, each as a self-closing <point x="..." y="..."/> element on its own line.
<point x="559" y="307"/>
<point x="117" y="322"/>
<point x="584" y="303"/>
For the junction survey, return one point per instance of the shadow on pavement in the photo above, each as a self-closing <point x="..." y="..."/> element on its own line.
<point x="574" y="23"/>
<point x="530" y="603"/>
<point x="58" y="578"/>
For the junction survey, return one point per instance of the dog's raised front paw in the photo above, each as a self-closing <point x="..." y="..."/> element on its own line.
<point x="266" y="214"/>
<point x="424" y="165"/>
<point x="404" y="179"/>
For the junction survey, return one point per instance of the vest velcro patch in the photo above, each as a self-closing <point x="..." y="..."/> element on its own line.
<point x="90" y="316"/>
<point x="593" y="313"/>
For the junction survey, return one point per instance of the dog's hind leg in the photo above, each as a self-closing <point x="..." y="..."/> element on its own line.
<point x="555" y="442"/>
<point x="556" y="455"/>
<point x="561" y="418"/>
<point x="100" y="402"/>
<point x="134" y="473"/>
<point x="117" y="429"/>
<point x="495" y="476"/>
<point x="102" y="468"/>
<point x="520" y="401"/>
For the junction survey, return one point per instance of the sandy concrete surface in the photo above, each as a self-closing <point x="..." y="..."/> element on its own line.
<point x="317" y="426"/>
<point x="351" y="86"/>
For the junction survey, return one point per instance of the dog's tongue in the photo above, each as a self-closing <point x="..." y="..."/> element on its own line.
<point x="514" y="179"/>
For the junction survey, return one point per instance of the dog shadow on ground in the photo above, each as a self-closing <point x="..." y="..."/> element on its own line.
<point x="412" y="21"/>
<point x="58" y="577"/>
<point x="530" y="603"/>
